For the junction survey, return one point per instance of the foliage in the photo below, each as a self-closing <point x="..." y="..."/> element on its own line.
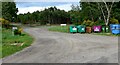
<point x="18" y="31"/>
<point x="91" y="24"/>
<point x="88" y="23"/>
<point x="114" y="21"/>
<point x="99" y="22"/>
<point x="93" y="12"/>
<point x="116" y="11"/>
<point x="9" y="11"/>
<point x="89" y="10"/>
<point x="51" y="15"/>
<point x="5" y="23"/>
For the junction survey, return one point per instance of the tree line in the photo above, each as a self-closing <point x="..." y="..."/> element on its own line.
<point x="51" y="15"/>
<point x="86" y="13"/>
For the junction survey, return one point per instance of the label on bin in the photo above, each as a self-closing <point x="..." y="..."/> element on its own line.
<point x="82" y="28"/>
<point x="106" y="28"/>
<point x="96" y="29"/>
<point x="74" y="28"/>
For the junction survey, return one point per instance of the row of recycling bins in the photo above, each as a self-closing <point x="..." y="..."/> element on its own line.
<point x="114" y="28"/>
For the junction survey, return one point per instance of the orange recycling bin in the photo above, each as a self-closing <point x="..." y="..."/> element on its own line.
<point x="88" y="29"/>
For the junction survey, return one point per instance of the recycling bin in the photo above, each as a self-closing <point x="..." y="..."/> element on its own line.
<point x="97" y="28"/>
<point x="115" y="28"/>
<point x="81" y="28"/>
<point x="105" y="29"/>
<point x="88" y="29"/>
<point x="73" y="29"/>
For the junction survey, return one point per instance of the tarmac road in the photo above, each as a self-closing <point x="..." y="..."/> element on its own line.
<point x="56" y="47"/>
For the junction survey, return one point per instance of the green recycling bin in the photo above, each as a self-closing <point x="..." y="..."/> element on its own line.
<point x="81" y="28"/>
<point x="73" y="29"/>
<point x="105" y="29"/>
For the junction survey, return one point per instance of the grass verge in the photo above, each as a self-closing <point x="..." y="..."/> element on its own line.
<point x="8" y="39"/>
<point x="106" y="34"/>
<point x="59" y="29"/>
<point x="0" y="41"/>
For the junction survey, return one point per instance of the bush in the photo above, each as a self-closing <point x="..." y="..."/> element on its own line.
<point x="114" y="21"/>
<point x="99" y="22"/>
<point x="91" y="24"/>
<point x="18" y="31"/>
<point x="5" y="23"/>
<point x="88" y="23"/>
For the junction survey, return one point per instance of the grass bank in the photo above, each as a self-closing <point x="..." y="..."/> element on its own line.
<point x="12" y="44"/>
<point x="0" y="41"/>
<point x="64" y="29"/>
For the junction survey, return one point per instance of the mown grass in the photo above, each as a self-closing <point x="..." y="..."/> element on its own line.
<point x="8" y="39"/>
<point x="106" y="34"/>
<point x="65" y="29"/>
<point x="0" y="41"/>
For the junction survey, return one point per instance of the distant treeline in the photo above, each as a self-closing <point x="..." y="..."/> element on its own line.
<point x="51" y="15"/>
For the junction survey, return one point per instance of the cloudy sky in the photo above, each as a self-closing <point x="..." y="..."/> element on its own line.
<point x="25" y="7"/>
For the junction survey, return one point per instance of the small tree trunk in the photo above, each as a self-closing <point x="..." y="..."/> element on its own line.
<point x="108" y="18"/>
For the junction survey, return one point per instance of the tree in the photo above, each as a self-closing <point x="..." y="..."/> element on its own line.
<point x="9" y="11"/>
<point x="90" y="11"/>
<point x="108" y="9"/>
<point x="51" y="15"/>
<point x="75" y="16"/>
<point x="75" y="8"/>
<point x="99" y="11"/>
<point x="115" y="13"/>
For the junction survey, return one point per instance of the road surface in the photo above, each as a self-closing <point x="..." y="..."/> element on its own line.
<point x="56" y="47"/>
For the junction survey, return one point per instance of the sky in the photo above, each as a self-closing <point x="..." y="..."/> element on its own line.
<point x="24" y="7"/>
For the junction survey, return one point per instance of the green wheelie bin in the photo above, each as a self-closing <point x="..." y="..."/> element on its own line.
<point x="105" y="29"/>
<point x="73" y="29"/>
<point x="81" y="29"/>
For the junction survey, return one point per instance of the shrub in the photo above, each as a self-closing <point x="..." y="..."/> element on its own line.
<point x="18" y="31"/>
<point x="88" y="23"/>
<point x="5" y="23"/>
<point x="84" y="22"/>
<point x="114" y="21"/>
<point x="91" y="24"/>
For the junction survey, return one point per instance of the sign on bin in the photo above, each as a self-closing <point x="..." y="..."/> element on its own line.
<point x="83" y="28"/>
<point x="97" y="28"/>
<point x="74" y="28"/>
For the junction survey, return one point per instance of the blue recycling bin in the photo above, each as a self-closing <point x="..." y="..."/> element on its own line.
<point x="115" y="28"/>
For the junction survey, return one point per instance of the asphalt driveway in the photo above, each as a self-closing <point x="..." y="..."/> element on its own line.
<point x="56" y="47"/>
